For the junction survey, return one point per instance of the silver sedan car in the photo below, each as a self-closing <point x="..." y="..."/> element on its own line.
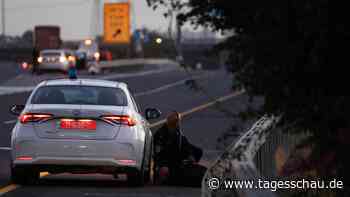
<point x="59" y="59"/>
<point x="81" y="126"/>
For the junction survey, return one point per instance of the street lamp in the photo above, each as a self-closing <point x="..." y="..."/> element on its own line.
<point x="88" y="42"/>
<point x="159" y="40"/>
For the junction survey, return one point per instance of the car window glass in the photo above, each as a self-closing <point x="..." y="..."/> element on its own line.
<point x="80" y="95"/>
<point x="51" y="54"/>
<point x="135" y="105"/>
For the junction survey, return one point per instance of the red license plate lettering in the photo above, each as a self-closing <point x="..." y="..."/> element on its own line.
<point x="78" y="124"/>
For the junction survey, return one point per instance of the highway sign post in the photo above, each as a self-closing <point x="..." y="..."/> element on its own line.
<point x="117" y="23"/>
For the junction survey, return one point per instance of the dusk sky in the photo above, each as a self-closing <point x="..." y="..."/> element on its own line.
<point x="74" y="16"/>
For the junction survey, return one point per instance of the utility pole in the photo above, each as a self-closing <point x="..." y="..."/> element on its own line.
<point x="177" y="36"/>
<point x="3" y="21"/>
<point x="98" y="18"/>
<point x="170" y="27"/>
<point x="129" y="47"/>
<point x="95" y="19"/>
<point x="179" y="40"/>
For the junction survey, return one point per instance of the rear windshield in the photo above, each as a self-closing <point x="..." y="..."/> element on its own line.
<point x="51" y="54"/>
<point x="79" y="95"/>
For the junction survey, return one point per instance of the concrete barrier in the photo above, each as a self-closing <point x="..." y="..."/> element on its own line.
<point x="133" y="62"/>
<point x="237" y="162"/>
<point x="96" y="68"/>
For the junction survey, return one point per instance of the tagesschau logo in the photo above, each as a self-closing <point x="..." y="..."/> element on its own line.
<point x="273" y="185"/>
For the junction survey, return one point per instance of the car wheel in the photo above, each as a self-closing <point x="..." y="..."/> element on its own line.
<point x="137" y="178"/>
<point x="149" y="172"/>
<point x="24" y="175"/>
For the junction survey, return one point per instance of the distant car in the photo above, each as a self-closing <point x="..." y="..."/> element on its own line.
<point x="55" y="60"/>
<point x="91" y="49"/>
<point x="106" y="55"/>
<point x="81" y="126"/>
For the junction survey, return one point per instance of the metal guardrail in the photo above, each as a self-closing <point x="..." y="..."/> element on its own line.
<point x="237" y="162"/>
<point x="266" y="158"/>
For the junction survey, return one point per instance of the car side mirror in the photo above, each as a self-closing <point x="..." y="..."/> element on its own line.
<point x="16" y="109"/>
<point x="152" y="113"/>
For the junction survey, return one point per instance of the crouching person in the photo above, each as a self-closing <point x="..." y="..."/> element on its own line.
<point x="176" y="159"/>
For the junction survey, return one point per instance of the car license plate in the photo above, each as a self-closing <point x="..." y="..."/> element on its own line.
<point x="88" y="125"/>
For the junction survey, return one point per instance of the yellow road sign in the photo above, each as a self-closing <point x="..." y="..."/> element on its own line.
<point x="117" y="23"/>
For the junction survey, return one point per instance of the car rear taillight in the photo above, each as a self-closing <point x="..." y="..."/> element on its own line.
<point x="127" y="162"/>
<point x="25" y="158"/>
<point x="25" y="65"/>
<point x="120" y="119"/>
<point x="34" y="117"/>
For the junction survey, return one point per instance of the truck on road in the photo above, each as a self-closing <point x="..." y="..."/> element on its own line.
<point x="47" y="37"/>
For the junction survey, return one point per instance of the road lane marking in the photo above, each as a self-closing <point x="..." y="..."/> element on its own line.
<point x="12" y="187"/>
<point x="202" y="107"/>
<point x="148" y="92"/>
<point x="5" y="148"/>
<point x="8" y="188"/>
<point x="10" y="121"/>
<point x="8" y="90"/>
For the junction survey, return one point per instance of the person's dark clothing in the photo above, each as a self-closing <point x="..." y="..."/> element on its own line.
<point x="171" y="150"/>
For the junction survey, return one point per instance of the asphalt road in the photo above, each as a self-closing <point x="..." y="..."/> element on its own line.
<point x="9" y="70"/>
<point x="166" y="91"/>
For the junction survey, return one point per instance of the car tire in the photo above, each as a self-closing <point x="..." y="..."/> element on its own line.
<point x="24" y="175"/>
<point x="138" y="178"/>
<point x="148" y="176"/>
